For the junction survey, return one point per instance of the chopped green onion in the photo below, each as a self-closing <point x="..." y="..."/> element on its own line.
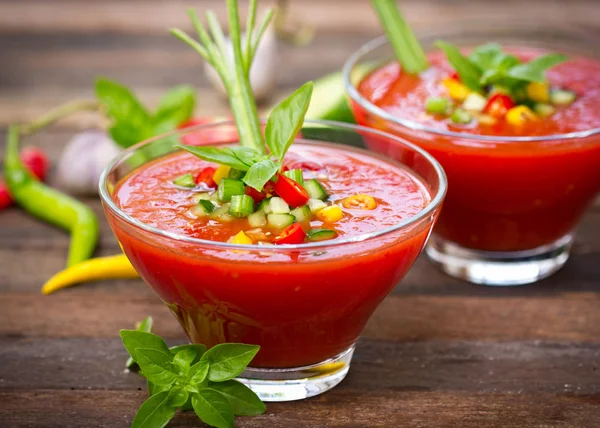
<point x="408" y="50"/>
<point x="257" y="219"/>
<point x="236" y="174"/>
<point x="544" y="110"/>
<point x="278" y="206"/>
<point x="461" y="116"/>
<point x="203" y="208"/>
<point x="280" y="221"/>
<point x="186" y="180"/>
<point x="229" y="187"/>
<point x="302" y="213"/>
<point x="437" y="105"/>
<point x="241" y="206"/>
<point x="315" y="190"/>
<point x="561" y="97"/>
<point x="295" y="174"/>
<point x="316" y="205"/>
<point x="320" y="234"/>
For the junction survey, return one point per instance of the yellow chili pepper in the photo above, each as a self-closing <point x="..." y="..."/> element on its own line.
<point x="330" y="214"/>
<point x="360" y="202"/>
<point x="111" y="267"/>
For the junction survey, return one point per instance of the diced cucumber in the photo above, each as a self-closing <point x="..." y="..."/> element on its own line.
<point x="474" y="102"/>
<point x="229" y="187"/>
<point x="185" y="180"/>
<point x="302" y="213"/>
<point x="320" y="234"/>
<point x="461" y="116"/>
<point x="437" y="105"/>
<point x="316" y="205"/>
<point x="295" y="174"/>
<point x="236" y="174"/>
<point x="278" y="206"/>
<point x="561" y="97"/>
<point x="204" y="207"/>
<point x="241" y="206"/>
<point x="544" y="110"/>
<point x="197" y="197"/>
<point x="257" y="219"/>
<point x="315" y="190"/>
<point x="265" y="205"/>
<point x="221" y="214"/>
<point x="280" y="221"/>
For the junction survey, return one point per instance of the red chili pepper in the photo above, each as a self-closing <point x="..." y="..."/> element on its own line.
<point x="217" y="134"/>
<point x="254" y="194"/>
<point x="304" y="166"/>
<point x="206" y="176"/>
<point x="293" y="234"/>
<point x="6" y="199"/>
<point x="498" y="105"/>
<point x="290" y="191"/>
<point x="36" y="161"/>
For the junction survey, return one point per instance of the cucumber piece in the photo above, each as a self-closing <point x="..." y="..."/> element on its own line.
<point x="543" y="110"/>
<point x="314" y="235"/>
<point x="280" y="221"/>
<point x="475" y="102"/>
<point x="197" y="197"/>
<point x="202" y="208"/>
<point x="561" y="97"/>
<point x="302" y="213"/>
<point x="265" y="205"/>
<point x="315" y="190"/>
<point x="241" y="206"/>
<point x="229" y="187"/>
<point x="221" y="214"/>
<point x="236" y="174"/>
<point x="185" y="180"/>
<point x="278" y="206"/>
<point x="316" y="205"/>
<point x="461" y="116"/>
<point x="257" y="219"/>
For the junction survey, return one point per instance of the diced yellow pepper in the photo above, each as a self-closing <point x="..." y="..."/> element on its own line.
<point x="456" y="90"/>
<point x="519" y="115"/>
<point x="486" y="119"/>
<point x="330" y="214"/>
<point x="360" y="202"/>
<point x="241" y="238"/>
<point x="538" y="92"/>
<point x="221" y="173"/>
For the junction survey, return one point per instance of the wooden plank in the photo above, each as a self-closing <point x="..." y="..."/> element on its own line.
<point x="516" y="367"/>
<point x="100" y="311"/>
<point x="410" y="409"/>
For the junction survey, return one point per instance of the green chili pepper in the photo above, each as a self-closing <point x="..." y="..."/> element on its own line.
<point x="49" y="204"/>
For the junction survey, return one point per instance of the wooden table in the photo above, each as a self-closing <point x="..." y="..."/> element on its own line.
<point x="437" y="353"/>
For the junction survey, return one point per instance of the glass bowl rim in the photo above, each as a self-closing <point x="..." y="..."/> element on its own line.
<point x="433" y="204"/>
<point x="381" y="41"/>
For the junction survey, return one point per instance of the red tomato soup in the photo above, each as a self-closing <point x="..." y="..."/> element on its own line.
<point x="503" y="195"/>
<point x="301" y="306"/>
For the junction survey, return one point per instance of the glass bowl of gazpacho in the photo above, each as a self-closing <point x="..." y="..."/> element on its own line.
<point x="232" y="279"/>
<point x="520" y="181"/>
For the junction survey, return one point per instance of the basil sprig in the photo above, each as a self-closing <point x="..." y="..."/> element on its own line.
<point x="190" y="377"/>
<point x="489" y="65"/>
<point x="132" y="122"/>
<point x="283" y="126"/>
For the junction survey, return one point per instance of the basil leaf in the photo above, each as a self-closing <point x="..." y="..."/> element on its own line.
<point x="178" y="396"/>
<point x="198" y="349"/>
<point x="222" y="155"/>
<point x="485" y="56"/>
<point x="260" y="173"/>
<point x="156" y="366"/>
<point x="198" y="371"/>
<point x="131" y="123"/>
<point x="286" y="119"/>
<point x="243" y="400"/>
<point x="247" y="155"/>
<point x="154" y="412"/>
<point x="184" y="357"/>
<point x="228" y="360"/>
<point x="174" y="108"/>
<point x="155" y="389"/>
<point x="145" y="326"/>
<point x="498" y="72"/>
<point x="468" y="72"/>
<point x="133" y="339"/>
<point x="535" y="70"/>
<point x="213" y="408"/>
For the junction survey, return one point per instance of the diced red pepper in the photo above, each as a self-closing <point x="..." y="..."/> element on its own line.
<point x="293" y="234"/>
<point x="304" y="166"/>
<point x="498" y="105"/>
<point x="36" y="162"/>
<point x="290" y="191"/>
<point x="6" y="199"/>
<point x="254" y="194"/>
<point x="455" y="76"/>
<point x="206" y="176"/>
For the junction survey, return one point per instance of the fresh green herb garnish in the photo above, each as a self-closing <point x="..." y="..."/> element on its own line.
<point x="285" y="120"/>
<point x="132" y="122"/>
<point x="190" y="377"/>
<point x="402" y="38"/>
<point x="146" y="327"/>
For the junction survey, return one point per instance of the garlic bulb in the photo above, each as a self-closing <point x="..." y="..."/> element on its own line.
<point x="263" y="77"/>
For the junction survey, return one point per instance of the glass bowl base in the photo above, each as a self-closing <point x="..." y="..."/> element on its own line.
<point x="499" y="268"/>
<point x="297" y="383"/>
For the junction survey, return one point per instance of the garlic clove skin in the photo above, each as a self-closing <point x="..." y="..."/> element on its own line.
<point x="82" y="161"/>
<point x="263" y="78"/>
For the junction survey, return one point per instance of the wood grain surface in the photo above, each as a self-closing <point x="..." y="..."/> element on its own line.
<point x="437" y="353"/>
